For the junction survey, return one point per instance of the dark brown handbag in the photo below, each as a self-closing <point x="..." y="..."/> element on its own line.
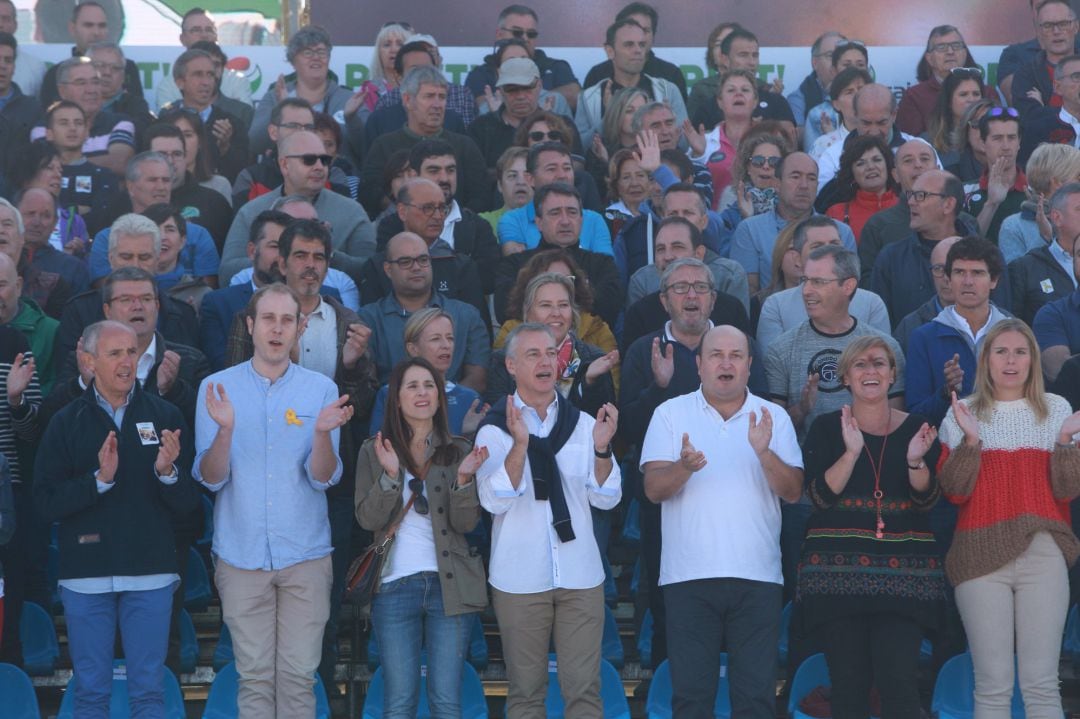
<point x="362" y="579"/>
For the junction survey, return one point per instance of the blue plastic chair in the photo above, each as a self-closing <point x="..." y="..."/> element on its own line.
<point x="661" y="692"/>
<point x="812" y="673"/>
<point x="473" y="703"/>
<point x="40" y="646"/>
<point x="118" y="704"/>
<point x="221" y="702"/>
<point x="1070" y="643"/>
<point x="785" y="630"/>
<point x="635" y="578"/>
<point x="611" y="647"/>
<point x="223" y="652"/>
<point x="52" y="577"/>
<point x="207" y="537"/>
<point x="611" y="692"/>
<point x="20" y="701"/>
<point x="197" y="583"/>
<point x="645" y="639"/>
<point x="954" y="691"/>
<point x="189" y="644"/>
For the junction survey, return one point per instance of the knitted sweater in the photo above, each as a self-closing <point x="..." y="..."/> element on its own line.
<point x="1016" y="483"/>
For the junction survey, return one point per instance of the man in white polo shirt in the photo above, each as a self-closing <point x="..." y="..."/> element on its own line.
<point x="720" y="515"/>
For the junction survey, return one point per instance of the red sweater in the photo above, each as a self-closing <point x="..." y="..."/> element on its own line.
<point x="1015" y="484"/>
<point x="865" y="204"/>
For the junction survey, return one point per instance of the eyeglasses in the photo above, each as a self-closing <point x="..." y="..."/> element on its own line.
<point x="519" y="33"/>
<point x="1008" y="111"/>
<point x="551" y="135"/>
<point x="955" y="46"/>
<point x="921" y="195"/>
<point x="761" y="161"/>
<point x="431" y="209"/>
<point x="937" y="270"/>
<point x="975" y="71"/>
<point x="406" y="263"/>
<point x="129" y="300"/>
<point x="1062" y="25"/>
<point x="820" y="282"/>
<point x="420" y="503"/>
<point x="309" y="126"/>
<point x="311" y="159"/>
<point x="1071" y="77"/>
<point x="682" y="288"/>
<point x="83" y="82"/>
<point x="314" y="53"/>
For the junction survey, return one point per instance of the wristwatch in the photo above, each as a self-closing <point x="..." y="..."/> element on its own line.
<point x="606" y="454"/>
<point x="921" y="464"/>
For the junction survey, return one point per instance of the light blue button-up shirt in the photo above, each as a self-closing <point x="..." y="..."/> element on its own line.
<point x="270" y="512"/>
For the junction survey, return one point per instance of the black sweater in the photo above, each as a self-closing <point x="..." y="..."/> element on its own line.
<point x="128" y="530"/>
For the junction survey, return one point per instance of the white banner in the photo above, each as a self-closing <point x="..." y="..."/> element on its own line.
<point x="894" y="66"/>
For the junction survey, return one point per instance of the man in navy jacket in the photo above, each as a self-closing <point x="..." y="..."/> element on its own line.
<point x="114" y="469"/>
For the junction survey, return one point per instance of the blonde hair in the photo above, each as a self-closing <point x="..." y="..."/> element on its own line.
<point x="419" y="321"/>
<point x="1049" y="162"/>
<point x="375" y="70"/>
<point x="861" y="345"/>
<point x="982" y="398"/>
<point x="550" y="278"/>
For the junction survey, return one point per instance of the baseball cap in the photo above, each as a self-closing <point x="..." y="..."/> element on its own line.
<point x="518" y="71"/>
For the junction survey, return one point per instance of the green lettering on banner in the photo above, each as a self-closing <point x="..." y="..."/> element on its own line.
<point x="355" y="74"/>
<point x="148" y="69"/>
<point x="691" y="73"/>
<point x="991" y="74"/>
<point x="455" y="72"/>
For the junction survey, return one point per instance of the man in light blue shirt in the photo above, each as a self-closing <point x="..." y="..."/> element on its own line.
<point x="547" y="163"/>
<point x="755" y="237"/>
<point x="266" y="438"/>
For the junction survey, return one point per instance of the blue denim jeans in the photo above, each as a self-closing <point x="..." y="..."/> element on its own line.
<point x="143" y="618"/>
<point x="408" y="617"/>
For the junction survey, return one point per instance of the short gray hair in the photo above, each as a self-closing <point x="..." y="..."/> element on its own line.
<point x="132" y="173"/>
<point x="524" y="328"/>
<point x="422" y="75"/>
<point x="305" y="37"/>
<point x="106" y="45"/>
<point x="289" y="200"/>
<point x="638" y="121"/>
<point x="179" y="68"/>
<point x="846" y="261"/>
<point x="18" y="215"/>
<point x="686" y="262"/>
<point x="63" y="70"/>
<point x="134" y="225"/>
<point x="92" y="334"/>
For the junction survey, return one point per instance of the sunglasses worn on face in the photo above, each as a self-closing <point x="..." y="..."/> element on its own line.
<point x="311" y="159"/>
<point x="521" y="34"/>
<point x="761" y="161"/>
<point x="537" y="136"/>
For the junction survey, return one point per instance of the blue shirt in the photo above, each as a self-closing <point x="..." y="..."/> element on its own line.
<point x="1057" y="324"/>
<point x="520" y="226"/>
<point x="387" y="319"/>
<point x="458" y="400"/>
<point x="754" y="239"/>
<point x="199" y="257"/>
<point x="270" y="511"/>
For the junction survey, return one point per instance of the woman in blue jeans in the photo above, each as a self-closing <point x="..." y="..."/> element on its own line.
<point x="432" y="581"/>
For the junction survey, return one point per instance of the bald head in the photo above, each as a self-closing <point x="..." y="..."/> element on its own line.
<point x="405" y="243"/>
<point x="725" y="335"/>
<point x="941" y="250"/>
<point x="299" y="143"/>
<point x="875" y="110"/>
<point x="942" y="286"/>
<point x="724" y="365"/>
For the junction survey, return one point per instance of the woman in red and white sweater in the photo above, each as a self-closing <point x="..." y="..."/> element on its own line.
<point x="1009" y="461"/>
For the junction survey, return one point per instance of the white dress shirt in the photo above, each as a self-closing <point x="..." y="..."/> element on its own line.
<point x="526" y="554"/>
<point x="146" y="362"/>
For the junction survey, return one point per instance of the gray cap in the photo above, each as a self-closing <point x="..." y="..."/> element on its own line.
<point x="518" y="71"/>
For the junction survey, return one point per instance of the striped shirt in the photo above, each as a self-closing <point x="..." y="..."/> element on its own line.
<point x="16" y="423"/>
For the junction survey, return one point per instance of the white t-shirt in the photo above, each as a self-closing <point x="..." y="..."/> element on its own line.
<point x="413" y="550"/>
<point x="725" y="521"/>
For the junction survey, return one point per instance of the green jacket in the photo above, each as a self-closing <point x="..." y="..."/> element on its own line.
<point x="40" y="331"/>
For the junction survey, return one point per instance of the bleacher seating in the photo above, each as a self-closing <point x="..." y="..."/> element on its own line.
<point x="473" y="703"/>
<point x="41" y="647"/>
<point x="118" y="705"/>
<point x="17" y="697"/>
<point x="221" y="703"/>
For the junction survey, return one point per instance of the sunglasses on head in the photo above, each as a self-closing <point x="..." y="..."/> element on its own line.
<point x="974" y="71"/>
<point x="999" y="111"/>
<point x="761" y="161"/>
<point x="311" y="159"/>
<point x="420" y="504"/>
<point x="402" y="23"/>
<point x="537" y="136"/>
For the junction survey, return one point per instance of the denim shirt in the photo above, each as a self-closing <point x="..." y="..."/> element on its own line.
<point x="270" y="513"/>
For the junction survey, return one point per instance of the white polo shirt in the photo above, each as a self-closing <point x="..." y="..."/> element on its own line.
<point x="725" y="521"/>
<point x="526" y="554"/>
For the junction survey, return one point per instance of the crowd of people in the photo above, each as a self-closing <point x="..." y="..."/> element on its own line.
<point x="490" y="316"/>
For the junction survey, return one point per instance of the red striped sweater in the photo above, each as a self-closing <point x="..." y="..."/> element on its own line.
<point x="1015" y="484"/>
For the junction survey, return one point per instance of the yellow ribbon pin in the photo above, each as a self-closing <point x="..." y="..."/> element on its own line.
<point x="291" y="418"/>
